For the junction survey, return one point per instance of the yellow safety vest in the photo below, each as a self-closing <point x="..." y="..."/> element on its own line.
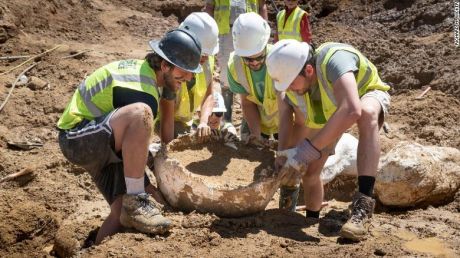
<point x="222" y="13"/>
<point x="318" y="112"/>
<point x="94" y="96"/>
<point x="188" y="101"/>
<point x="268" y="108"/>
<point x="291" y="28"/>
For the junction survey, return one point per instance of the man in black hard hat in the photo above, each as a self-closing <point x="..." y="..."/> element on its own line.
<point x="107" y="126"/>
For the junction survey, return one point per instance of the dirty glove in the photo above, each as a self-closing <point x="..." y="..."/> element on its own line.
<point x="203" y="131"/>
<point x="301" y="155"/>
<point x="229" y="133"/>
<point x="257" y="141"/>
<point x="154" y="148"/>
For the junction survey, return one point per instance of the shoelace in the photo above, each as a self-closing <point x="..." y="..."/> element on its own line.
<point x="359" y="211"/>
<point x="145" y="203"/>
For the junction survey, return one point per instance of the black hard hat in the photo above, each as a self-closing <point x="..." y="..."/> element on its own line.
<point x="181" y="48"/>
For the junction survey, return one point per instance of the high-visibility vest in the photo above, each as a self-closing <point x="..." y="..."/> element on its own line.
<point x="318" y="112"/>
<point x="94" y="96"/>
<point x="222" y="13"/>
<point x="291" y="28"/>
<point x="188" y="101"/>
<point x="268" y="108"/>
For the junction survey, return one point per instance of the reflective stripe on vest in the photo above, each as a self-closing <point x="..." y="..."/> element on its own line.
<point x="94" y="96"/>
<point x="87" y="94"/>
<point x="222" y="13"/>
<point x="290" y="28"/>
<point x="367" y="73"/>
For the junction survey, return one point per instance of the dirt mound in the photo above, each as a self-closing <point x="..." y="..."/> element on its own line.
<point x="411" y="43"/>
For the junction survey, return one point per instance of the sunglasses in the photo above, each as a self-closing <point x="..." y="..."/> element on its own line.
<point x="252" y="59"/>
<point x="218" y="114"/>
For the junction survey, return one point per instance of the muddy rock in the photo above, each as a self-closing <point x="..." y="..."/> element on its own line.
<point x="36" y="83"/>
<point x="343" y="162"/>
<point x="412" y="174"/>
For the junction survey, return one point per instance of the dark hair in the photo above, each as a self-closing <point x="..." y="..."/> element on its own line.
<point x="311" y="61"/>
<point x="154" y="61"/>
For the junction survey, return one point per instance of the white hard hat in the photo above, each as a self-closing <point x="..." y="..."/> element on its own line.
<point x="250" y="34"/>
<point x="206" y="30"/>
<point x="219" y="105"/>
<point x="285" y="60"/>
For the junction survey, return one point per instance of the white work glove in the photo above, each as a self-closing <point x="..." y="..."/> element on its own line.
<point x="297" y="159"/>
<point x="203" y="132"/>
<point x="154" y="148"/>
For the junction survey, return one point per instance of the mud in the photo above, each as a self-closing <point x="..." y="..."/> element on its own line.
<point x="411" y="43"/>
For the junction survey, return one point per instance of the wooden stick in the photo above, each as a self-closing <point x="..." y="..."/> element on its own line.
<point x="23" y="172"/>
<point x="423" y="93"/>
<point x="12" y="57"/>
<point x="15" y="82"/>
<point x="32" y="58"/>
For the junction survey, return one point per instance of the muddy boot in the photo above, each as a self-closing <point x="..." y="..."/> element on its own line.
<point x="141" y="212"/>
<point x="288" y="197"/>
<point x="357" y="226"/>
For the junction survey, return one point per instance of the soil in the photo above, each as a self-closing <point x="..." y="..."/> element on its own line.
<point x="56" y="210"/>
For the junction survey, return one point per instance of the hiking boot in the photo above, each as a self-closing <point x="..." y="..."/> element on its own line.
<point x="139" y="211"/>
<point x="357" y="226"/>
<point x="288" y="197"/>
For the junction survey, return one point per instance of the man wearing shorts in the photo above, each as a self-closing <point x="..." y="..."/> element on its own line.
<point x="327" y="90"/>
<point x="107" y="126"/>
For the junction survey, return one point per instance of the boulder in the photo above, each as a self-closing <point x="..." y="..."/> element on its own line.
<point x="343" y="162"/>
<point x="415" y="175"/>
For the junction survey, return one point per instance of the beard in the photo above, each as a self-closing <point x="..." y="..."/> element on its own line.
<point x="257" y="67"/>
<point x="169" y="81"/>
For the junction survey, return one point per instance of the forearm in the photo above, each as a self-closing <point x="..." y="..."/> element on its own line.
<point x="251" y="115"/>
<point x="336" y="126"/>
<point x="347" y="113"/>
<point x="285" y="129"/>
<point x="206" y="105"/>
<point x="167" y="120"/>
<point x="263" y="10"/>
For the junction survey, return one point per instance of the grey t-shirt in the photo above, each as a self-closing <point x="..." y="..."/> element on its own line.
<point x="340" y="63"/>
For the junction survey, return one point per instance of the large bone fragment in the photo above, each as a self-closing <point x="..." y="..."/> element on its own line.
<point x="185" y="191"/>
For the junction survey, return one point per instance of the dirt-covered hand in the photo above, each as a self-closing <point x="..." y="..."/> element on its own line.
<point x="203" y="132"/>
<point x="301" y="155"/>
<point x="257" y="141"/>
<point x="290" y="162"/>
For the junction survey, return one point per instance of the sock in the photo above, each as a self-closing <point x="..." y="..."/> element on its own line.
<point x="312" y="214"/>
<point x="134" y="185"/>
<point x="366" y="185"/>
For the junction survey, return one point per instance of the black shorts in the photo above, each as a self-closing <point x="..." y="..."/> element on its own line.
<point x="91" y="145"/>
